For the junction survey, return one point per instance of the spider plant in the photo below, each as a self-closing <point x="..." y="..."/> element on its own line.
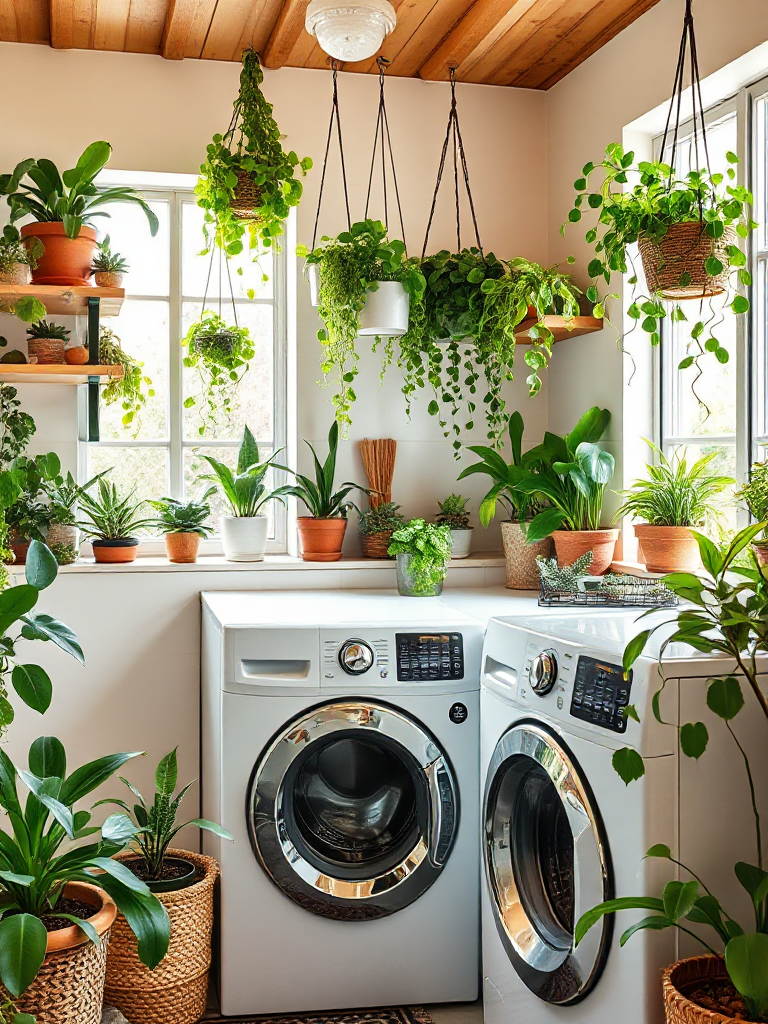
<point x="111" y="515"/>
<point x="318" y="494"/>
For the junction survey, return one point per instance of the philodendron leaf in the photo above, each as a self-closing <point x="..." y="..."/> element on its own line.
<point x="634" y="649"/>
<point x="694" y="738"/>
<point x="660" y="850"/>
<point x="628" y="765"/>
<point x="47" y="758"/>
<point x="33" y="685"/>
<point x="725" y="698"/>
<point x="23" y="939"/>
<point x="746" y="958"/>
<point x="41" y="567"/>
<point x="679" y="898"/>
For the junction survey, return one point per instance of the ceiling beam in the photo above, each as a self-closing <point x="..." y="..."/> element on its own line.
<point x="111" y="24"/>
<point x="62" y="15"/>
<point x="186" y="28"/>
<point x="484" y="24"/>
<point x="285" y="34"/>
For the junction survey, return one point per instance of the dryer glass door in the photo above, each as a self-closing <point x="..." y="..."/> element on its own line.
<point x="353" y="810"/>
<point x="547" y="861"/>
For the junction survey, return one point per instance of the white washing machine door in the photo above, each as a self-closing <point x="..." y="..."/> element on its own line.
<point x="547" y="861"/>
<point x="353" y="810"/>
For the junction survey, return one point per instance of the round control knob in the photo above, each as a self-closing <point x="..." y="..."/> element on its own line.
<point x="543" y="673"/>
<point x="355" y="657"/>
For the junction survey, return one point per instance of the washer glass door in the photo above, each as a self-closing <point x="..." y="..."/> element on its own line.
<point x="547" y="862"/>
<point x="353" y="810"/>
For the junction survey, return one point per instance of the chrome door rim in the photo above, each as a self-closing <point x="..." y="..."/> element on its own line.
<point x="554" y="973"/>
<point x="318" y="890"/>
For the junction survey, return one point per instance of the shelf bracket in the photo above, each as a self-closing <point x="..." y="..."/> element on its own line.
<point x="93" y="396"/>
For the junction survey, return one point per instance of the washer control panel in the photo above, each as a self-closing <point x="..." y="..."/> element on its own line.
<point x="600" y="694"/>
<point x="429" y="656"/>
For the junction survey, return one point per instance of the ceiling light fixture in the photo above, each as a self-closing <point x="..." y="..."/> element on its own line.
<point x="352" y="31"/>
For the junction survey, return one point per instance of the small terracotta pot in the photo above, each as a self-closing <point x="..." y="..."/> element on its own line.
<point x="66" y="261"/>
<point x="572" y="544"/>
<point x="760" y="548"/>
<point x="77" y="355"/>
<point x="108" y="279"/>
<point x="182" y="547"/>
<point x="20" y="547"/>
<point x="47" y="351"/>
<point x="18" y="274"/>
<point x="521" y="567"/>
<point x="375" y="544"/>
<point x="116" y="551"/>
<point x="682" y="977"/>
<point x="667" y="548"/>
<point x="320" y="540"/>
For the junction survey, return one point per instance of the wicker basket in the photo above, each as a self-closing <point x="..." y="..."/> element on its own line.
<point x="177" y="989"/>
<point x="246" y="201"/>
<point x="685" y="249"/>
<point x="375" y="544"/>
<point x="683" y="976"/>
<point x="47" y="350"/>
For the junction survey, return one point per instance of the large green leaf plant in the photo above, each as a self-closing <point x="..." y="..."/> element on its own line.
<point x="726" y="613"/>
<point x="244" y="489"/>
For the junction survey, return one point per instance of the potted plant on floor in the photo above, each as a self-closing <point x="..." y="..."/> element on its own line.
<point x="132" y="389"/>
<point x="184" y="883"/>
<point x="452" y="512"/>
<point x="725" y="612"/>
<point x="377" y="526"/>
<point x="63" y="207"/>
<point x="46" y="342"/>
<point x="59" y="905"/>
<point x="108" y="267"/>
<point x="755" y="497"/>
<point x="674" y="498"/>
<point x="183" y="524"/>
<point x="520" y="554"/>
<point x="112" y="520"/>
<point x="423" y="551"/>
<point x="321" y="533"/>
<point x="17" y="261"/>
<point x="221" y="354"/>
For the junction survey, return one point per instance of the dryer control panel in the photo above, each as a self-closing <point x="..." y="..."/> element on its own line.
<point x="600" y="694"/>
<point x="429" y="656"/>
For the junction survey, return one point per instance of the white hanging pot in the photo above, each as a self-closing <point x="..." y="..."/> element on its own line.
<point x="385" y="313"/>
<point x="244" y="538"/>
<point x="312" y="274"/>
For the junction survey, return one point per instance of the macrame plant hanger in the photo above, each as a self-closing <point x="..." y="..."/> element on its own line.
<point x="454" y="140"/>
<point x="222" y="261"/>
<point x="383" y="136"/>
<point x="335" y="119"/>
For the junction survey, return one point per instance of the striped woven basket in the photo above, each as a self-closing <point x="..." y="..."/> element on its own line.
<point x="375" y="544"/>
<point x="246" y="201"/>
<point x="175" y="992"/>
<point x="681" y="254"/>
<point x="681" y="977"/>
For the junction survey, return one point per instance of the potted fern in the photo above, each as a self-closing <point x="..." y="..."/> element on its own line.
<point x="183" y="524"/>
<point x="453" y="513"/>
<point x="423" y="551"/>
<point x="377" y="526"/>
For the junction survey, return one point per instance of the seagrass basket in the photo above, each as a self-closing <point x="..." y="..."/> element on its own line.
<point x="681" y="254"/>
<point x="375" y="544"/>
<point x="681" y="977"/>
<point x="246" y="201"/>
<point x="175" y="992"/>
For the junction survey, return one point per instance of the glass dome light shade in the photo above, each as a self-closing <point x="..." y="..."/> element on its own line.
<point x="350" y="32"/>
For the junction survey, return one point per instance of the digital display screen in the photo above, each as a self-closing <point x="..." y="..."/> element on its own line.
<point x="600" y="694"/>
<point x="429" y="656"/>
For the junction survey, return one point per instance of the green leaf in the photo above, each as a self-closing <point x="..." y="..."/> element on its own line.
<point x="47" y="758"/>
<point x="750" y="878"/>
<point x="713" y="266"/>
<point x="654" y="923"/>
<point x="45" y="627"/>
<point x="679" y="898"/>
<point x="746" y="958"/>
<point x="660" y="850"/>
<point x="146" y="917"/>
<point x="740" y="304"/>
<point x="725" y="698"/>
<point x="209" y="826"/>
<point x="85" y="927"/>
<point x="694" y="738"/>
<point x="23" y="939"/>
<point x="41" y="567"/>
<point x="34" y="686"/>
<point x="685" y="363"/>
<point x="14" y="603"/>
<point x="634" y="649"/>
<point x="90" y="776"/>
<point x="167" y="773"/>
<point x="119" y="829"/>
<point x="16" y="879"/>
<point x="628" y="765"/>
<point x="591" y="917"/>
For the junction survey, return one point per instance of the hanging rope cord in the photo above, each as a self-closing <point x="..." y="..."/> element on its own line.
<point x="229" y="279"/>
<point x="335" y="118"/>
<point x="382" y="133"/>
<point x="453" y="138"/>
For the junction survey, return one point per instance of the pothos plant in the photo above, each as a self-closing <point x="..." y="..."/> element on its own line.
<point x="221" y="354"/>
<point x="249" y="152"/>
<point x="659" y="199"/>
<point x="351" y="265"/>
<point x="132" y="389"/>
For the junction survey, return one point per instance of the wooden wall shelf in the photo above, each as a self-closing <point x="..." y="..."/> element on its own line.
<point x="66" y="300"/>
<point x="560" y="327"/>
<point x="53" y="373"/>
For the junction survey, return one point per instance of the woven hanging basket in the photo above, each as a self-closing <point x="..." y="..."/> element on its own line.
<point x="224" y="339"/>
<point x="175" y="992"/>
<point x="684" y="976"/>
<point x="246" y="201"/>
<point x="684" y="250"/>
<point x="375" y="544"/>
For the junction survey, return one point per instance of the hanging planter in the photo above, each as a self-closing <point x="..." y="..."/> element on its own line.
<point x="246" y="199"/>
<point x="385" y="313"/>
<point x="675" y="266"/>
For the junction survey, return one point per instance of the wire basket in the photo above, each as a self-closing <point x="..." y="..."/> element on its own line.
<point x="611" y="591"/>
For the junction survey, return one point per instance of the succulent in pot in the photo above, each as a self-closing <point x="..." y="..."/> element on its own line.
<point x="452" y="512"/>
<point x="64" y="205"/>
<point x="18" y="259"/>
<point x="423" y="551"/>
<point x="112" y="520"/>
<point x="377" y="525"/>
<point x="755" y="497"/>
<point x="321" y="533"/>
<point x="244" y="532"/>
<point x="46" y="342"/>
<point x="184" y="524"/>
<point x="108" y="267"/>
<point x="675" y="497"/>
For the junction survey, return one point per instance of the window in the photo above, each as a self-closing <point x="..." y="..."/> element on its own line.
<point x="160" y="452"/>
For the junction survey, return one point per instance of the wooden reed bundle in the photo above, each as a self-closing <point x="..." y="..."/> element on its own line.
<point x="379" y="463"/>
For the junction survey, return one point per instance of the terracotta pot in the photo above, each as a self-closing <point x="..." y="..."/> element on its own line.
<point x="182" y="547"/>
<point x="77" y="355"/>
<point x="667" y="548"/>
<point x="375" y="544"/>
<point x="18" y="274"/>
<point x="108" y="279"/>
<point x="70" y="986"/>
<point x="47" y="351"/>
<point x="20" y="547"/>
<point x="572" y="544"/>
<point x="66" y="261"/>
<point x="681" y="978"/>
<point x="116" y="551"/>
<point x="320" y="540"/>
<point x="521" y="567"/>
<point x="760" y="548"/>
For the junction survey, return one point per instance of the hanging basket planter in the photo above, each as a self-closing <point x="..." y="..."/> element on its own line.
<point x="385" y="313"/>
<point x="675" y="265"/>
<point x="247" y="198"/>
<point x="221" y="341"/>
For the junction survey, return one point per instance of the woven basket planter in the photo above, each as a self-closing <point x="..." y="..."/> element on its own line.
<point x="685" y="249"/>
<point x="224" y="340"/>
<point x="70" y="986"/>
<point x="682" y="977"/>
<point x="522" y="572"/>
<point x="177" y="989"/>
<point x="47" y="350"/>
<point x="247" y="198"/>
<point x="375" y="544"/>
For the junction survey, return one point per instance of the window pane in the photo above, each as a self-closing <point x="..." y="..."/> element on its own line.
<point x="195" y="468"/>
<point x="723" y="465"/>
<point x="148" y="258"/>
<point x="143" y="331"/>
<point x="252" y="399"/>
<point x="243" y="272"/>
<point x="143" y="470"/>
<point x="760" y="328"/>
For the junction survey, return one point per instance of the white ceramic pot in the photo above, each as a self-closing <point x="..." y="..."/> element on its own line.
<point x="312" y="274"/>
<point x="385" y="313"/>
<point x="244" y="538"/>
<point x="461" y="542"/>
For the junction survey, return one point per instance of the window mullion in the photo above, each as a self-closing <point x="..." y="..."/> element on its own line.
<point x="175" y="379"/>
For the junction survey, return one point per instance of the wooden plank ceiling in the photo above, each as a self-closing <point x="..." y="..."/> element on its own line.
<point x="525" y="43"/>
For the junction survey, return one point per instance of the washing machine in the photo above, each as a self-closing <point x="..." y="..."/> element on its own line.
<point x="340" y="748"/>
<point x="561" y="832"/>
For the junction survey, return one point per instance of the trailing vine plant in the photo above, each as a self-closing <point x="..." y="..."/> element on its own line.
<point x="221" y="354"/>
<point x="134" y="388"/>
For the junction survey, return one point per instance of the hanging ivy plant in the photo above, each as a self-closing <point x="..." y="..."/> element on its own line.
<point x="134" y="388"/>
<point x="247" y="184"/>
<point x="221" y="354"/>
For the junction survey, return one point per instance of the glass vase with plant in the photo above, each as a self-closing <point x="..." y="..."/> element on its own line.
<point x="725" y="613"/>
<point x="321" y="533"/>
<point x="755" y="497"/>
<point x="377" y="526"/>
<point x="423" y="551"/>
<point x="45" y="887"/>
<point x="221" y="355"/>
<point x="675" y="497"/>
<point x="17" y="260"/>
<point x="248" y="182"/>
<point x="453" y="513"/>
<point x="183" y="524"/>
<point x="108" y="267"/>
<point x="111" y="521"/>
<point x="129" y="389"/>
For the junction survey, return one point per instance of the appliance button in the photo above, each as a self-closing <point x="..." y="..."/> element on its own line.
<point x="355" y="657"/>
<point x="543" y="673"/>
